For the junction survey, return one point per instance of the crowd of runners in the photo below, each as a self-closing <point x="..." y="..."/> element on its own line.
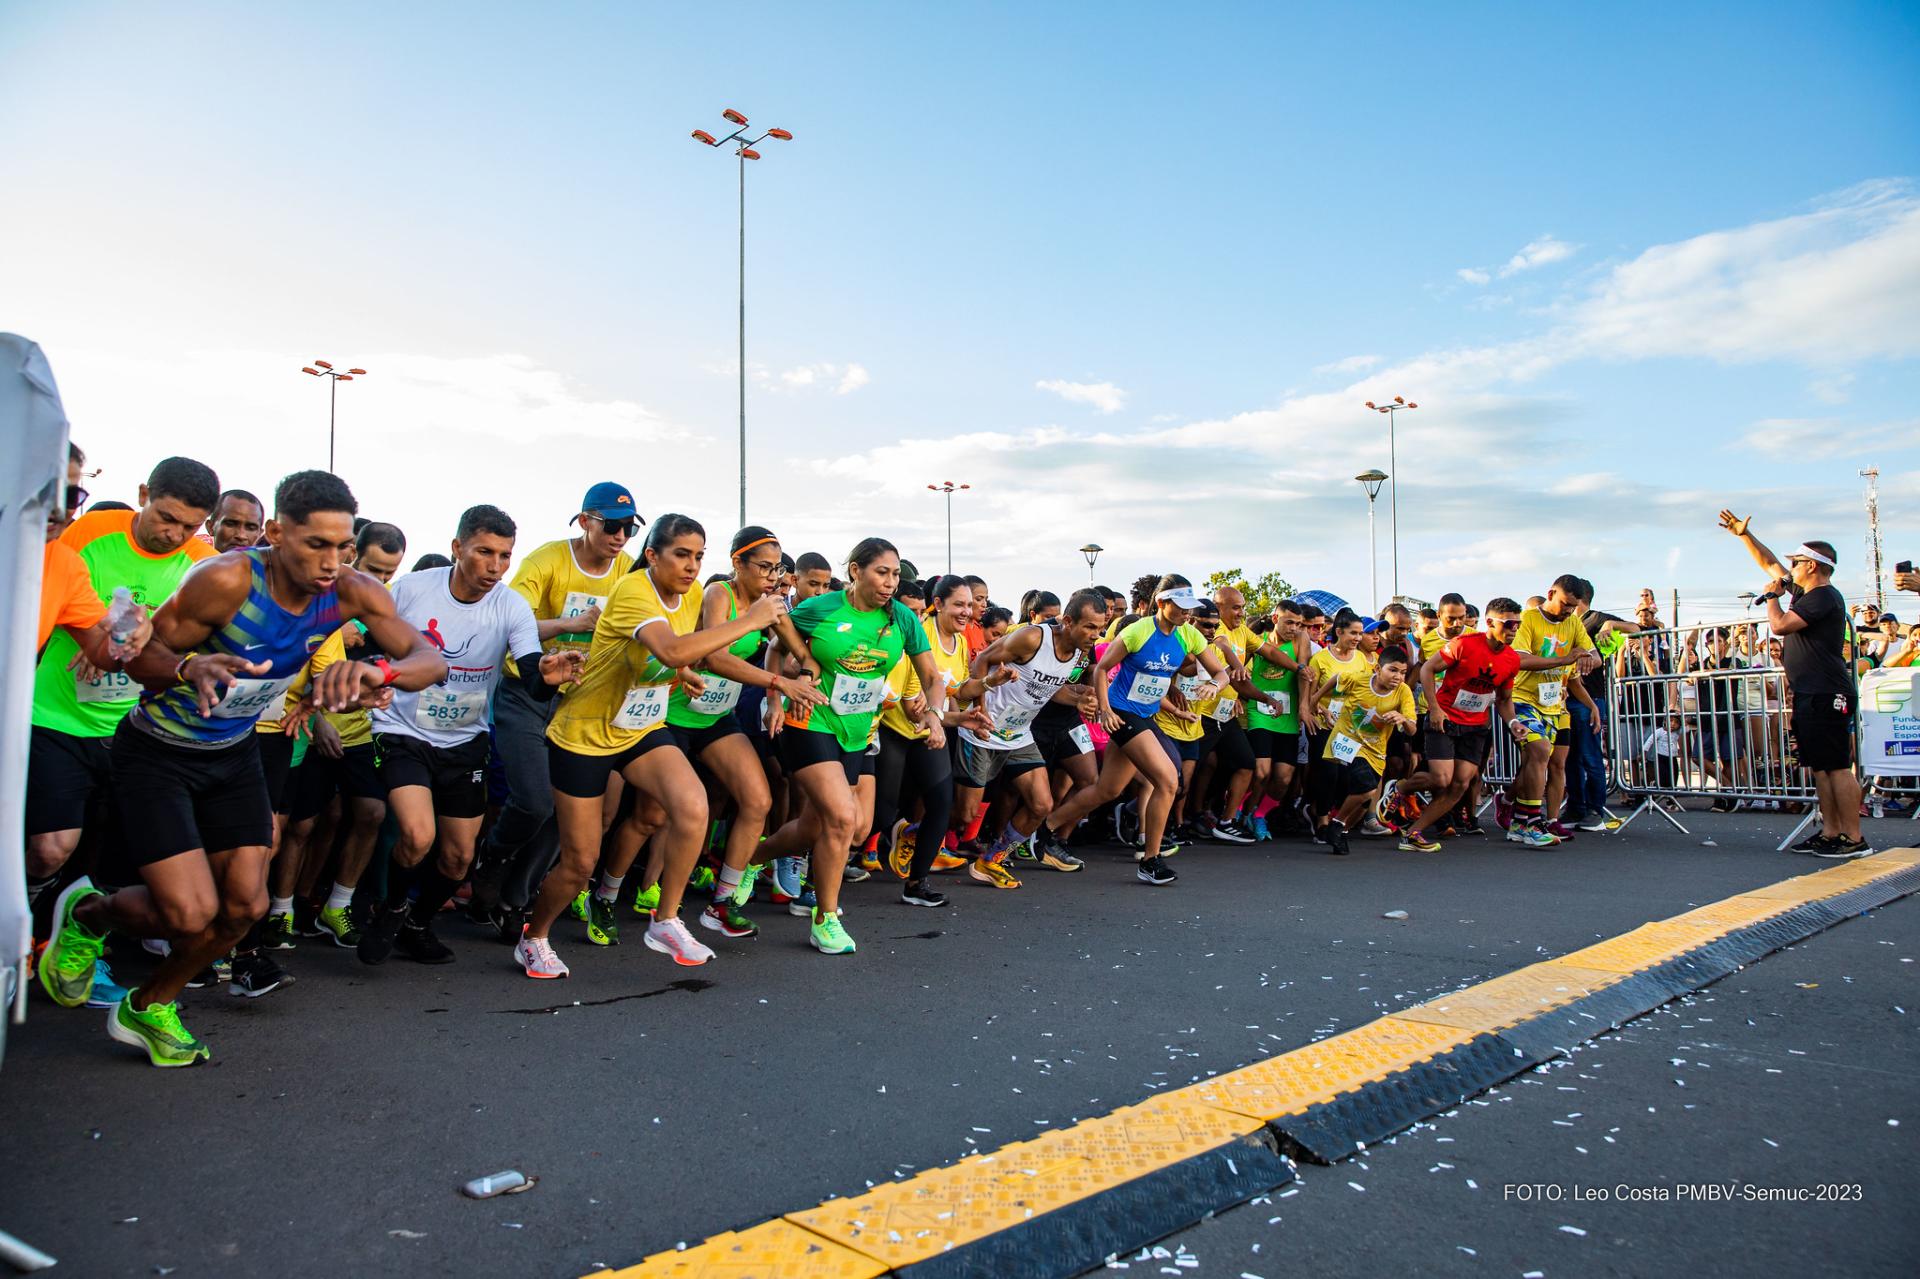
<point x="252" y="730"/>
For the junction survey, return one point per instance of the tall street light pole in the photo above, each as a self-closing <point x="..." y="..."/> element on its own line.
<point x="1092" y="551"/>
<point x="1393" y="462"/>
<point x="1371" y="482"/>
<point x="334" y="378"/>
<point x="949" y="488"/>
<point x="743" y="148"/>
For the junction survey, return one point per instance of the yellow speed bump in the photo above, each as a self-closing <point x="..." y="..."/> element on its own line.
<point x="771" y="1250"/>
<point x="1514" y="998"/>
<point x="904" y="1222"/>
<point x="1316" y="1073"/>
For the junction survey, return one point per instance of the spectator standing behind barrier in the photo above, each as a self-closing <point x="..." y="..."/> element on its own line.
<point x="1813" y="649"/>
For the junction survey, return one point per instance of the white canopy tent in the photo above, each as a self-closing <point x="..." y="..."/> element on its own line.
<point x="33" y="432"/>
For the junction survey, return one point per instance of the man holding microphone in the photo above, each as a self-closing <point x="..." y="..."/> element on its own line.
<point x="1813" y="631"/>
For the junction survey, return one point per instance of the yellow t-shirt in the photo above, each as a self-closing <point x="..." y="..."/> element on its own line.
<point x="1432" y="642"/>
<point x="1360" y="722"/>
<point x="1546" y="691"/>
<point x="1327" y="669"/>
<point x="623" y="692"/>
<point x="553" y="582"/>
<point x="904" y="682"/>
<point x="1242" y="641"/>
<point x="1180" y="730"/>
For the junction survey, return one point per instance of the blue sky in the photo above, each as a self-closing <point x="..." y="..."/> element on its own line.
<point x="1634" y="262"/>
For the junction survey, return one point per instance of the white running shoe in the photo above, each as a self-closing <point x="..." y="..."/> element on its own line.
<point x="670" y="937"/>
<point x="535" y="954"/>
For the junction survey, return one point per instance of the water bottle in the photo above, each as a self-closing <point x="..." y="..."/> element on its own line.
<point x="123" y="617"/>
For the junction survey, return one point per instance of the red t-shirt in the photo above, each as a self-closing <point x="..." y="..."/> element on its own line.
<point x="1475" y="676"/>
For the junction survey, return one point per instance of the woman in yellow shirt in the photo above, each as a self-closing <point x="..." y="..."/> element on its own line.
<point x="646" y="640"/>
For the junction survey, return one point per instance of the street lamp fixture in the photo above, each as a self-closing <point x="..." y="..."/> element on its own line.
<point x="1371" y="482"/>
<point x="949" y="488"/>
<point x="320" y="368"/>
<point x="1391" y="408"/>
<point x="1092" y="551"/>
<point x="743" y="149"/>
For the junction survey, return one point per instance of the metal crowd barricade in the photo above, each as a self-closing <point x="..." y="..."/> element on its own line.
<point x="1687" y="722"/>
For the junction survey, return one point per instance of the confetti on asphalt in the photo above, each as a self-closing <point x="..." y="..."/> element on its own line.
<point x="1573" y="1230"/>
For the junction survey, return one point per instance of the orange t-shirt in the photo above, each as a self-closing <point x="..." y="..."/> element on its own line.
<point x="67" y="597"/>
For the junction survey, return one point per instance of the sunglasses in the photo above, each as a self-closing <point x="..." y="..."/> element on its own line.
<point x="76" y="498"/>
<point x="1511" y="624"/>
<point x="614" y="528"/>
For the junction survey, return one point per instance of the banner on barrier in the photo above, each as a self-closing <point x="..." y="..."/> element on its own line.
<point x="1890" y="722"/>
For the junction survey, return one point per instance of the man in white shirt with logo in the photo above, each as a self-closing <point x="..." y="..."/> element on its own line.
<point x="433" y="744"/>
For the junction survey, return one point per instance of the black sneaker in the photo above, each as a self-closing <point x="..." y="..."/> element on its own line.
<point x="422" y="946"/>
<point x="1815" y="844"/>
<point x="1230" y="833"/>
<point x="1336" y="837"/>
<point x="1151" y="870"/>
<point x="257" y="974"/>
<point x="376" y="942"/>
<point x="920" y="893"/>
<point x="204" y="979"/>
<point x="506" y="921"/>
<point x="1844" y="849"/>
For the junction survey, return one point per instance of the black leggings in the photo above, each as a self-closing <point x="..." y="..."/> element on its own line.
<point x="908" y="770"/>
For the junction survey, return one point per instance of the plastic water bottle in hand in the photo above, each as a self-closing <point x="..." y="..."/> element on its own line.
<point x="123" y="619"/>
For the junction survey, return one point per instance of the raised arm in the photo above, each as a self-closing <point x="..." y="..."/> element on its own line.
<point x="1765" y="558"/>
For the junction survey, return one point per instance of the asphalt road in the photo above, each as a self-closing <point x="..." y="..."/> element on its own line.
<point x="338" y="1117"/>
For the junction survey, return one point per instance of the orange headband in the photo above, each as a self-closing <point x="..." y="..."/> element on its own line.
<point x="750" y="545"/>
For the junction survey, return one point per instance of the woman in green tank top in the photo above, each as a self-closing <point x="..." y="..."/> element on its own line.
<point x="708" y="731"/>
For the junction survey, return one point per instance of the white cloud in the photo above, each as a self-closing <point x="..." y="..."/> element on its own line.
<point x="1538" y="253"/>
<point x="845" y="379"/>
<point x="1472" y="276"/>
<point x="1818" y="437"/>
<point x="1831" y="390"/>
<point x="1494" y="555"/>
<point x="1103" y="396"/>
<point x="1352" y="364"/>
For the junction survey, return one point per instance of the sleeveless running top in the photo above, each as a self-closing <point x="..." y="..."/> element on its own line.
<point x="1016" y="704"/>
<point x="722" y="694"/>
<point x="261" y="631"/>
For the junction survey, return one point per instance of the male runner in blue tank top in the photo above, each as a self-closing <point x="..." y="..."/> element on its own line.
<point x="187" y="765"/>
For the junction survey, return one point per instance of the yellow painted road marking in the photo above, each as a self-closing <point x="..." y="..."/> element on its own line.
<point x="902" y="1222"/>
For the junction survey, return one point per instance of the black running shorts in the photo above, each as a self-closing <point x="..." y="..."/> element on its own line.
<point x="174" y="799"/>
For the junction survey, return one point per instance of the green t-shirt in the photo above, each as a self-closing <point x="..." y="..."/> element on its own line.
<point x="1277" y="682"/>
<point x="856" y="649"/>
<point x="104" y="539"/>
<point x="722" y="694"/>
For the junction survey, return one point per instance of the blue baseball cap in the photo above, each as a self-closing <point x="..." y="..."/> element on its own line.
<point x="610" y="501"/>
<point x="1368" y="625"/>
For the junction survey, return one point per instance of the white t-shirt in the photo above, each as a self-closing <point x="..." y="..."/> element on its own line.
<point x="474" y="638"/>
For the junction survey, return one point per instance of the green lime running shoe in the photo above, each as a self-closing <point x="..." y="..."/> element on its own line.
<point x="828" y="935"/>
<point x="743" y="891"/>
<point x="601" y="930"/>
<point x="703" y="878"/>
<point x="278" y="933"/>
<point x="579" y="908"/>
<point x="334" y="922"/>
<point x="157" y="1029"/>
<point x="645" y="900"/>
<point x="66" y="965"/>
